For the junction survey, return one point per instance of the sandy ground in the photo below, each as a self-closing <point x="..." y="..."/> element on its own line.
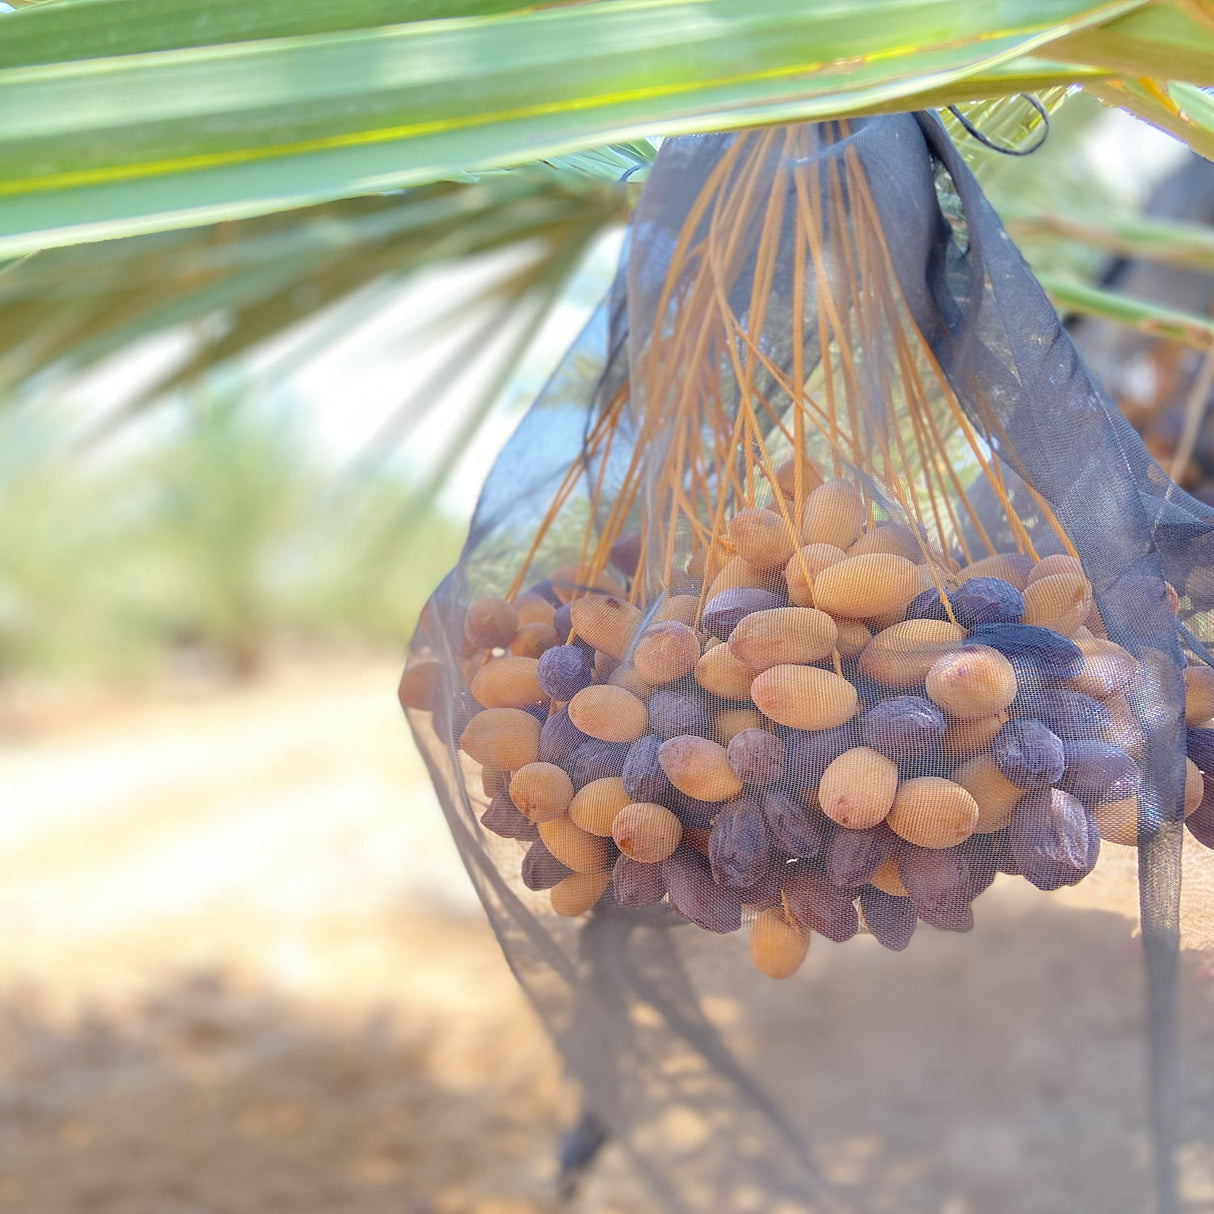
<point x="241" y="970"/>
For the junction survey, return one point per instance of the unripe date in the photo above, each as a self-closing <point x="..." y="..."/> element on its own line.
<point x="862" y="587"/>
<point x="700" y="768"/>
<point x="932" y="812"/>
<point x="541" y="791"/>
<point x="646" y="832"/>
<point x="595" y="805"/>
<point x="858" y="788"/>
<point x="504" y="737"/>
<point x="804" y="697"/>
<point x="606" y="622"/>
<point x="781" y="636"/>
<point x="608" y="713"/>
<point x="777" y="947"/>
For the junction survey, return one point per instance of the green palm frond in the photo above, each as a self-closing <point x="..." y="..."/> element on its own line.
<point x="127" y="116"/>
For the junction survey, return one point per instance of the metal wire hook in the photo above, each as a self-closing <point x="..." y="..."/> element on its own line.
<point x="975" y="133"/>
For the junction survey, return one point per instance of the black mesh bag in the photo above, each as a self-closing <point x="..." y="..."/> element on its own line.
<point x="823" y="622"/>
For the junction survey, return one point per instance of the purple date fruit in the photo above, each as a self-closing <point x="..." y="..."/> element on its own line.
<point x="739" y="850"/>
<point x="852" y="856"/>
<point x="559" y="737"/>
<point x="644" y="779"/>
<point x="723" y="611"/>
<point x="756" y="756"/>
<point x="891" y="920"/>
<point x="1099" y="771"/>
<point x="595" y="760"/>
<point x="637" y="884"/>
<point x="625" y="554"/>
<point x="504" y="819"/>
<point x="692" y="812"/>
<point x="938" y="881"/>
<point x="674" y="713"/>
<point x="696" y="896"/>
<point x="986" y="600"/>
<point x="541" y="869"/>
<point x="1069" y="714"/>
<point x="903" y="727"/>
<point x="926" y="605"/>
<point x="765" y="894"/>
<point x="563" y="671"/>
<point x="1054" y="839"/>
<point x="1037" y="654"/>
<point x="820" y="906"/>
<point x="808" y="753"/>
<point x="1028" y="754"/>
<point x="984" y="854"/>
<point x="795" y="830"/>
<point x="1200" y="746"/>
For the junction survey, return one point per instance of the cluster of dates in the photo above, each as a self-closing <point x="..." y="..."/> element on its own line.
<point x="817" y="725"/>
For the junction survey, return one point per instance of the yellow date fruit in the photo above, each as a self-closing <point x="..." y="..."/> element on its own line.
<point x="1198" y="694"/>
<point x="777" y="947"/>
<point x="965" y="738"/>
<point x="895" y="538"/>
<point x="804" y="697"/>
<point x="699" y="768"/>
<point x="857" y="789"/>
<point x="1060" y="601"/>
<point x="888" y="880"/>
<point x="852" y="637"/>
<point x="533" y="609"/>
<point x="490" y="624"/>
<point x="833" y="514"/>
<point x="681" y="607"/>
<point x="901" y="655"/>
<point x="1011" y="567"/>
<point x="862" y="587"/>
<point x="572" y="846"/>
<point x="666" y="652"/>
<point x="595" y="805"/>
<point x="608" y="713"/>
<point x="972" y="683"/>
<point x="533" y="639"/>
<point x="1117" y="821"/>
<point x="721" y="674"/>
<point x="1194" y="786"/>
<point x="739" y="573"/>
<point x="509" y="682"/>
<point x="508" y="738"/>
<point x="606" y="622"/>
<point x="1107" y="669"/>
<point x="804" y="566"/>
<point x="575" y="894"/>
<point x="994" y="794"/>
<point x="1051" y="565"/>
<point x="541" y="791"/>
<point x="931" y="812"/>
<point x="783" y="636"/>
<point x="731" y="721"/>
<point x="762" y="537"/>
<point x="646" y="832"/>
<point x="421" y="685"/>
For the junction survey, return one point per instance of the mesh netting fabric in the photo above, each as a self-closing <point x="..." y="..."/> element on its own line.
<point x="819" y="592"/>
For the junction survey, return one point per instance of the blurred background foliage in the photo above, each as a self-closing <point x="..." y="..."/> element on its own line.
<point x="199" y="201"/>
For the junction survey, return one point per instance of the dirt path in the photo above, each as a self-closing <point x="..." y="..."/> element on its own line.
<point x="241" y="970"/>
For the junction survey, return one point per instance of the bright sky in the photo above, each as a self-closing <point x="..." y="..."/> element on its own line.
<point x="345" y="390"/>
